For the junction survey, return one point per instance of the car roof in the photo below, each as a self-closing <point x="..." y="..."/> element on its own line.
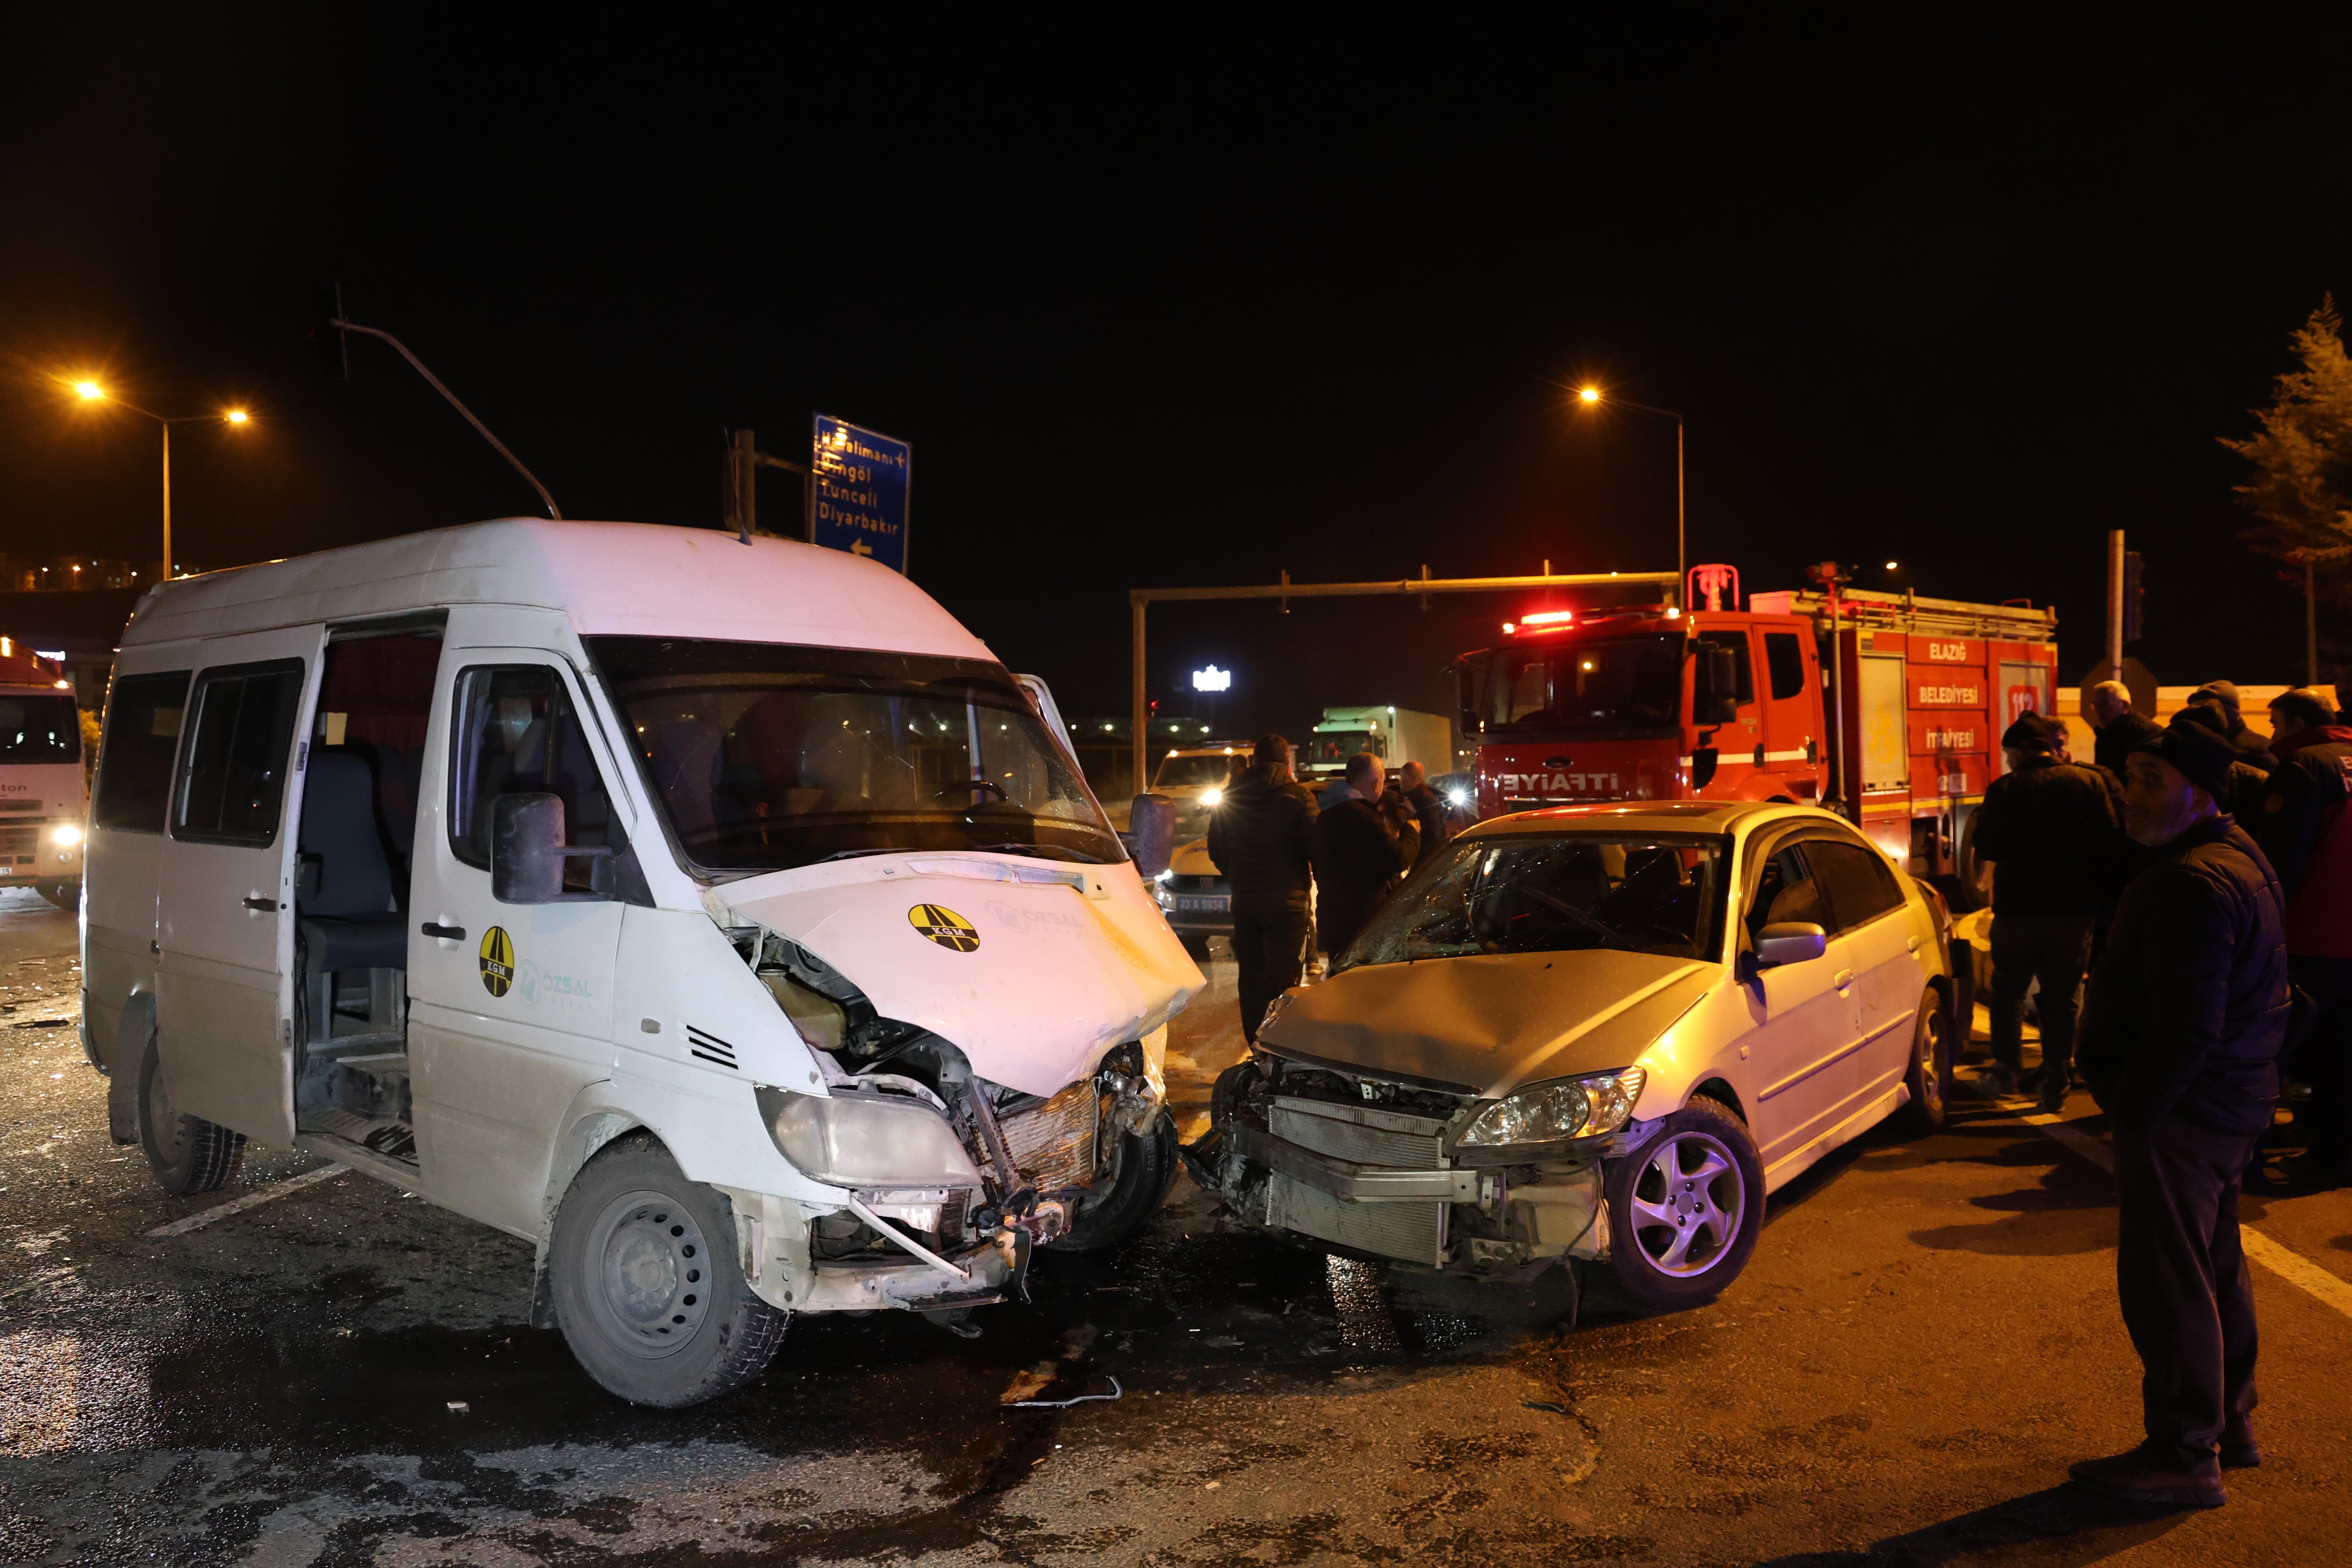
<point x="1653" y="816"/>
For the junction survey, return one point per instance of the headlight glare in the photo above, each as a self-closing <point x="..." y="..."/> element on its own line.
<point x="867" y="1140"/>
<point x="65" y="834"/>
<point x="1565" y="1108"/>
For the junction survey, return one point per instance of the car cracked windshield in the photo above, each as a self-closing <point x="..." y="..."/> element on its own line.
<point x="1527" y="894"/>
<point x="767" y="756"/>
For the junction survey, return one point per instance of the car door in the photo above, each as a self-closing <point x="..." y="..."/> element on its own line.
<point x="509" y="1003"/>
<point x="1804" y="1013"/>
<point x="224" y="936"/>
<point x="1868" y="904"/>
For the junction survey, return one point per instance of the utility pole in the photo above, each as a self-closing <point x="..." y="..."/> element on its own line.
<point x="2114" y="604"/>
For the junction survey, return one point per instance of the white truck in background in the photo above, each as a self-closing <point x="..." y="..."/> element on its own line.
<point x="1395" y="735"/>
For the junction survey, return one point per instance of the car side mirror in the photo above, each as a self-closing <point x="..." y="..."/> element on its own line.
<point x="527" y="851"/>
<point x="1789" y="942"/>
<point x="1151" y="823"/>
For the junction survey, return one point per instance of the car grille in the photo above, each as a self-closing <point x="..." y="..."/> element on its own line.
<point x="1362" y="1137"/>
<point x="1412" y="1232"/>
<point x="1053" y="1145"/>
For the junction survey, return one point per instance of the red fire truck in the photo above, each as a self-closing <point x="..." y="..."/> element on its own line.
<point x="1887" y="708"/>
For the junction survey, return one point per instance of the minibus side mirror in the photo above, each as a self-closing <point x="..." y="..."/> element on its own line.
<point x="528" y="852"/>
<point x="1151" y="824"/>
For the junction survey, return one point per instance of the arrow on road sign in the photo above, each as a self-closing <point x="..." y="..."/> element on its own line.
<point x="859" y="547"/>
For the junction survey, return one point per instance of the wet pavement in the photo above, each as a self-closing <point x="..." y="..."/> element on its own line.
<point x="1926" y="1338"/>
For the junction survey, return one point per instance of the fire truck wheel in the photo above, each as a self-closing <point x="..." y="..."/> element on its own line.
<point x="1685" y="1209"/>
<point x="647" y="1288"/>
<point x="1931" y="1067"/>
<point x="1132" y="1192"/>
<point x="187" y="1153"/>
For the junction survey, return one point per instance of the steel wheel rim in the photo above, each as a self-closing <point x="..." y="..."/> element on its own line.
<point x="1687" y="1204"/>
<point x="651" y="1273"/>
<point x="165" y="1126"/>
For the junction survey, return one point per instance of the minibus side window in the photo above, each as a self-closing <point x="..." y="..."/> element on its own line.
<point x="134" y="760"/>
<point x="233" y="779"/>
<point x="516" y="733"/>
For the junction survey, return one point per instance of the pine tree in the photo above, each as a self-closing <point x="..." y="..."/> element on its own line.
<point x="2301" y="490"/>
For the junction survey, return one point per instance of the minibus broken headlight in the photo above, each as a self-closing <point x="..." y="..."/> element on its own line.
<point x="1564" y="1108"/>
<point x="867" y="1140"/>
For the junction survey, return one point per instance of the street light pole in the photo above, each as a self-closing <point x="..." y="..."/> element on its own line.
<point x="1593" y="394"/>
<point x="91" y="392"/>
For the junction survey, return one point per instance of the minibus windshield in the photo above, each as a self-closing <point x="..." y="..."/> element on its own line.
<point x="766" y="756"/>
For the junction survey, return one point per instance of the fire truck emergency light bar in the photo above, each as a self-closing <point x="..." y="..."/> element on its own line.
<point x="1539" y="618"/>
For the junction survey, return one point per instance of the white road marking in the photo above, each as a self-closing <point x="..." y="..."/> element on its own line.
<point x="250" y="1200"/>
<point x="2282" y="1260"/>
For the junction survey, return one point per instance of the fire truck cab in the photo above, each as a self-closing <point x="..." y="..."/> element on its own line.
<point x="1887" y="708"/>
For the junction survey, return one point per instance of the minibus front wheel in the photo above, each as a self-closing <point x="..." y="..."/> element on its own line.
<point x="647" y="1288"/>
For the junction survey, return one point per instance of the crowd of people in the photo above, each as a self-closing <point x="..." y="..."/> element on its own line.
<point x="2192" y="885"/>
<point x="1274" y="840"/>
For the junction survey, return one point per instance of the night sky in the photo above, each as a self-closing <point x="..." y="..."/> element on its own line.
<point x="1192" y="298"/>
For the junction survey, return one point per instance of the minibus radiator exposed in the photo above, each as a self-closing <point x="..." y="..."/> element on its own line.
<point x="1053" y="1145"/>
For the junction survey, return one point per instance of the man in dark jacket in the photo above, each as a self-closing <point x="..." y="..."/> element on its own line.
<point x="2051" y="830"/>
<point x="2252" y="746"/>
<point x="1260" y="838"/>
<point x="2188" y="1010"/>
<point x="2307" y="828"/>
<point x="1428" y="809"/>
<point x="1363" y="846"/>
<point x="2244" y="791"/>
<point x="2115" y="727"/>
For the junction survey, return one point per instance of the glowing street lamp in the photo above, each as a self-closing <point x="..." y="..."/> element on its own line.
<point x="92" y="392"/>
<point x="1591" y="397"/>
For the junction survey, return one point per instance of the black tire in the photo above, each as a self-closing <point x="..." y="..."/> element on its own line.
<point x="1196" y="947"/>
<point x="1137" y="1187"/>
<point x="1676" y="1244"/>
<point x="187" y="1153"/>
<point x="65" y="895"/>
<point x="647" y="1288"/>
<point x="1929" y="1077"/>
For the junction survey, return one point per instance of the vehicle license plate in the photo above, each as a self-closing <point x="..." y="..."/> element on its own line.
<point x="1202" y="903"/>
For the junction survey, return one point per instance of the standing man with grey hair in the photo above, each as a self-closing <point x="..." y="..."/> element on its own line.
<point x="1259" y="837"/>
<point x="2181" y="1032"/>
<point x="2115" y="726"/>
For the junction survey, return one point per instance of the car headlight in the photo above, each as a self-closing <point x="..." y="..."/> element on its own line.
<point x="867" y="1140"/>
<point x="1211" y="796"/>
<point x="1564" y="1108"/>
<point x="65" y="835"/>
<point x="1458" y="796"/>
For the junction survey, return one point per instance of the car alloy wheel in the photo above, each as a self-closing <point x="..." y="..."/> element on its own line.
<point x="1687" y="1204"/>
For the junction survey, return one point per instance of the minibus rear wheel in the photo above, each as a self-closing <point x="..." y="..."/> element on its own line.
<point x="647" y="1288"/>
<point x="187" y="1153"/>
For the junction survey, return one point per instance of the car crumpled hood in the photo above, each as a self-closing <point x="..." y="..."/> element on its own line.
<point x="1052" y="980"/>
<point x="1491" y="1023"/>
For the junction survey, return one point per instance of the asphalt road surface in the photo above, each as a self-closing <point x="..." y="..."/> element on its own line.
<point x="341" y="1375"/>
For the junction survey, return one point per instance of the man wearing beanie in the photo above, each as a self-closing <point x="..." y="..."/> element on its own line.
<point x="2252" y="746"/>
<point x="2248" y="782"/>
<point x="2051" y="829"/>
<point x="2181" y="1031"/>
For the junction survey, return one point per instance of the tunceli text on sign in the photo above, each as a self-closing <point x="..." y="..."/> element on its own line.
<point x="857" y="492"/>
<point x="1212" y="680"/>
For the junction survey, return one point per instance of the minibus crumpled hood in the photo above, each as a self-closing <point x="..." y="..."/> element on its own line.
<point x="1031" y="975"/>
